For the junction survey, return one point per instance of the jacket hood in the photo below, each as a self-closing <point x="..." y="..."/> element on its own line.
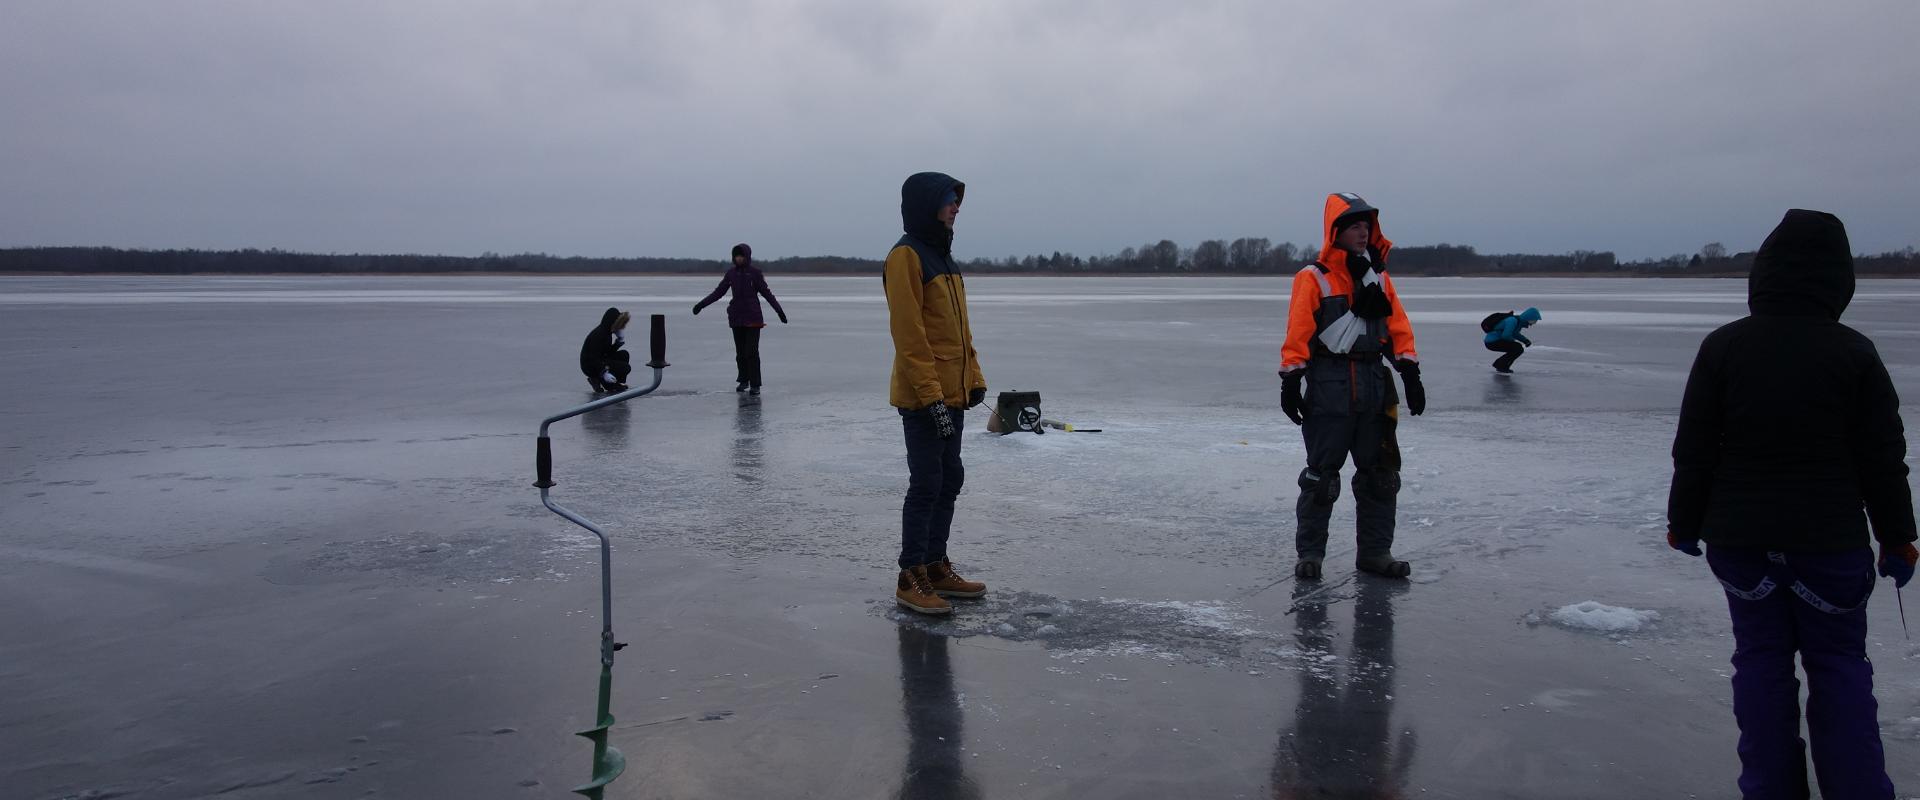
<point x="920" y="200"/>
<point x="1804" y="268"/>
<point x="1529" y="316"/>
<point x="607" y="319"/>
<point x="742" y="249"/>
<point x="1344" y="205"/>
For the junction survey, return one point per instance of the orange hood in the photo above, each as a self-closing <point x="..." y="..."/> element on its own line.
<point x="1341" y="204"/>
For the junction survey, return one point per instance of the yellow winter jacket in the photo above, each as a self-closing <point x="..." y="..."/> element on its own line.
<point x="933" y="355"/>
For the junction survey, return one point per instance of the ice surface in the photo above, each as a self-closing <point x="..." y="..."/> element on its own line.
<point x="261" y="531"/>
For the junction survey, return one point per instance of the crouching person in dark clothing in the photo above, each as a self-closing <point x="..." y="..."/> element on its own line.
<point x="601" y="359"/>
<point x="1789" y="453"/>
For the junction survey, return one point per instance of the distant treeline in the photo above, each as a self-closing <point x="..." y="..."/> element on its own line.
<point x="1248" y="256"/>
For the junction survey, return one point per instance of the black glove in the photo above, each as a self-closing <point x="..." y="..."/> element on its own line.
<point x="696" y="310"/>
<point x="977" y="396"/>
<point x="1416" y="394"/>
<point x="1291" y="401"/>
<point x="942" y="419"/>
<point x="783" y="317"/>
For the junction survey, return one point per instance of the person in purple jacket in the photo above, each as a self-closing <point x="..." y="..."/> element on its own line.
<point x="743" y="314"/>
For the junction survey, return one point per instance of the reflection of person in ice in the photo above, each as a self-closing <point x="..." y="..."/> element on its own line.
<point x="934" y="769"/>
<point x="601" y="359"/>
<point x="747" y="429"/>
<point x="1343" y="742"/>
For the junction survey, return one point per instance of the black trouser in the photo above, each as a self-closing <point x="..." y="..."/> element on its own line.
<point x="1352" y="409"/>
<point x="618" y="364"/>
<point x="746" y="354"/>
<point x="1512" y="349"/>
<point x="934" y="479"/>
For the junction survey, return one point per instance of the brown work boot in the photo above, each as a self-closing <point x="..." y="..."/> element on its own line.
<point x="947" y="584"/>
<point x="916" y="593"/>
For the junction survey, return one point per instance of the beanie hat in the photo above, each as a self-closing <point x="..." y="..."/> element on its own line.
<point x="1350" y="218"/>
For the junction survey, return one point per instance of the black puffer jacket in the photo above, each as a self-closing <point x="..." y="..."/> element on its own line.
<point x="599" y="349"/>
<point x="1790" y="426"/>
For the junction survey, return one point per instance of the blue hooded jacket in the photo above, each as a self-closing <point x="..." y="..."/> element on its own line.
<point x="1509" y="329"/>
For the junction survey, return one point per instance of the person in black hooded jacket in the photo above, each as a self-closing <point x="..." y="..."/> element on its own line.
<point x="601" y="359"/>
<point x="1789" y="452"/>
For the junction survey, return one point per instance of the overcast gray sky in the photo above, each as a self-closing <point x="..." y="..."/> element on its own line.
<point x="679" y="128"/>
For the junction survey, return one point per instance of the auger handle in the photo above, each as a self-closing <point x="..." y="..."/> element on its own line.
<point x="657" y="341"/>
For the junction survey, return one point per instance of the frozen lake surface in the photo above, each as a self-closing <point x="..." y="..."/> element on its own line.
<point x="275" y="537"/>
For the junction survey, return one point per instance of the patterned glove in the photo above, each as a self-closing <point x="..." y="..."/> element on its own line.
<point x="942" y="419"/>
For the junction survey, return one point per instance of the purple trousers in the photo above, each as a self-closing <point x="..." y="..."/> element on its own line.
<point x="1813" y="604"/>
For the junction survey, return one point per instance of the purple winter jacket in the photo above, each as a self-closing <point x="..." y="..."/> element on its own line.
<point x="743" y="311"/>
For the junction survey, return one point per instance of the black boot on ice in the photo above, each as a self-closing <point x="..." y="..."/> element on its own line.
<point x="1307" y="569"/>
<point x="1384" y="566"/>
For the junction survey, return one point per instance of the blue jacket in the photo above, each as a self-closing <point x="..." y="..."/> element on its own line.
<point x="1509" y="329"/>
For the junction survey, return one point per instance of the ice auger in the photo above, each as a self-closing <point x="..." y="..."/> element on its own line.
<point x="608" y="762"/>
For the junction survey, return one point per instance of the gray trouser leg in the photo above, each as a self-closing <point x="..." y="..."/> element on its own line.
<point x="1375" y="492"/>
<point x="1318" y="490"/>
<point x="1327" y="438"/>
<point x="1376" y="482"/>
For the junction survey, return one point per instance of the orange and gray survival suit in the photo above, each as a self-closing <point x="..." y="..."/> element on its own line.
<point x="1344" y="325"/>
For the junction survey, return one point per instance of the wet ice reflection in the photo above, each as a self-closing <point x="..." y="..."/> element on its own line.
<point x="607" y="427"/>
<point x="1502" y="390"/>
<point x="934" y="769"/>
<point x="747" y="453"/>
<point x="1342" y="741"/>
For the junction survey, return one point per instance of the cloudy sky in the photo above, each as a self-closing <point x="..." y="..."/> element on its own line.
<point x="679" y="128"/>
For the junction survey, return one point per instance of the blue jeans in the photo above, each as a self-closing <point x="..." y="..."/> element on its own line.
<point x="935" y="476"/>
<point x="1771" y="624"/>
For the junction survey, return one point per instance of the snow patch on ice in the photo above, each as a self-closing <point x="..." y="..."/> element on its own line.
<point x="1216" y="616"/>
<point x="1596" y="616"/>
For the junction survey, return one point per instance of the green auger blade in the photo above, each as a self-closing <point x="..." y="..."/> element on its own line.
<point x="608" y="763"/>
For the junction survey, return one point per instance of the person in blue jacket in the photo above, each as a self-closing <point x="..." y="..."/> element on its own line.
<point x="1507" y="339"/>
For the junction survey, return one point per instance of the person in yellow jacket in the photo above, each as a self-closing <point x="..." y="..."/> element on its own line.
<point x="936" y="374"/>
<point x="1344" y="325"/>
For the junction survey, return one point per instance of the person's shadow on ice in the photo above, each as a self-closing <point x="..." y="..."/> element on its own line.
<point x="934" y="769"/>
<point x="1343" y="742"/>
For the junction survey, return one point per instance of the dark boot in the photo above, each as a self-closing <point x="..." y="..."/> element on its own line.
<point x="1384" y="566"/>
<point x="1308" y="569"/>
